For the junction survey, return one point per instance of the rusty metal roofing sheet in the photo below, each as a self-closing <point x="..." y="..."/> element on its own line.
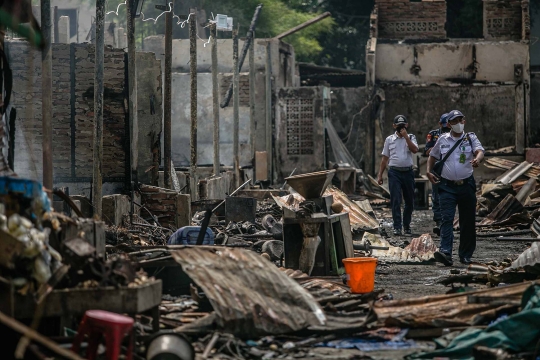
<point x="250" y="296"/>
<point x="450" y="310"/>
<point x="420" y="249"/>
<point x="533" y="172"/>
<point x="509" y="207"/>
<point x="360" y="219"/>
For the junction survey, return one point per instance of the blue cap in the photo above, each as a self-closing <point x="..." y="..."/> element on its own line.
<point x="454" y="114"/>
<point x="444" y="119"/>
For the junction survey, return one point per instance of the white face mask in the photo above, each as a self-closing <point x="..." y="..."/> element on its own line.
<point x="458" y="128"/>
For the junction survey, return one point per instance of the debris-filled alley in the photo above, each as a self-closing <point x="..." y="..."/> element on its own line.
<point x="198" y="185"/>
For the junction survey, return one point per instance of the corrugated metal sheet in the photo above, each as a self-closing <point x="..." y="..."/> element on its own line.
<point x="507" y="212"/>
<point x="420" y="249"/>
<point x="250" y="296"/>
<point x="513" y="174"/>
<point x="360" y="220"/>
<point x="533" y="172"/>
<point x="450" y="310"/>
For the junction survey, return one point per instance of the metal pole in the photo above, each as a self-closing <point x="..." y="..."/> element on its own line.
<point x="193" y="85"/>
<point x="167" y="127"/>
<point x="252" y="100"/>
<point x="46" y="94"/>
<point x="132" y="102"/>
<point x="98" y="109"/>
<point x="236" y="108"/>
<point x="215" y="98"/>
<point x="268" y="71"/>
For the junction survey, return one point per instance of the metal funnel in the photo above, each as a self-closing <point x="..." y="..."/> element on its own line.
<point x="311" y="185"/>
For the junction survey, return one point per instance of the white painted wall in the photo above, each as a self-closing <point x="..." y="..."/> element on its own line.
<point x="442" y="61"/>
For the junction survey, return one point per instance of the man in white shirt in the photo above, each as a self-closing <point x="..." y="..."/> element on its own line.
<point x="397" y="154"/>
<point x="456" y="187"/>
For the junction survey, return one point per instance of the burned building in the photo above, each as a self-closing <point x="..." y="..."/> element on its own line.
<point x="417" y="68"/>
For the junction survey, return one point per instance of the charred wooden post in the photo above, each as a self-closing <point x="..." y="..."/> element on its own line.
<point x="97" y="180"/>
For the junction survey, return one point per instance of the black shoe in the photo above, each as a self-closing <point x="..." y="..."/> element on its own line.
<point x="465" y="261"/>
<point x="443" y="258"/>
<point x="397" y="232"/>
<point x="437" y="229"/>
<point x="408" y="232"/>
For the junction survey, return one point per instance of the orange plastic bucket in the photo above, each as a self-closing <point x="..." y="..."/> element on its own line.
<point x="361" y="274"/>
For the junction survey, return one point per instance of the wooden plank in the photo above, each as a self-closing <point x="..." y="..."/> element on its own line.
<point x="261" y="165"/>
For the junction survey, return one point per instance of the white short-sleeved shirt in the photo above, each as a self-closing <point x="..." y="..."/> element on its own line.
<point x="453" y="169"/>
<point x="396" y="149"/>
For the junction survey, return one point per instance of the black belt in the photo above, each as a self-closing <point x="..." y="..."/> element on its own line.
<point x="455" y="182"/>
<point x="402" y="169"/>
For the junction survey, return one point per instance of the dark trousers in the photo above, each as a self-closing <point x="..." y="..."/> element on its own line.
<point x="435" y="203"/>
<point x="464" y="197"/>
<point x="401" y="185"/>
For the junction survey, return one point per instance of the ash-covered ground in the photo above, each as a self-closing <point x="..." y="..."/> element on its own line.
<point x="411" y="281"/>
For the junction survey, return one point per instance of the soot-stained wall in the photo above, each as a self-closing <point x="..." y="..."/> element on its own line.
<point x="489" y="110"/>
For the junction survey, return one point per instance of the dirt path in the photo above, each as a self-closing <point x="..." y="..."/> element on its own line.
<point x="407" y="281"/>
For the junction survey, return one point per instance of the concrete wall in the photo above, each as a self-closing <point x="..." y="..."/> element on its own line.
<point x="489" y="110"/>
<point x="300" y="130"/>
<point x="350" y="121"/>
<point x="149" y="90"/>
<point x="450" y="61"/>
<point x="181" y="124"/>
<point x="284" y="72"/>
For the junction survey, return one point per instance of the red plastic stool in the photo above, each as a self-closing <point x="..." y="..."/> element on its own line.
<point x="114" y="327"/>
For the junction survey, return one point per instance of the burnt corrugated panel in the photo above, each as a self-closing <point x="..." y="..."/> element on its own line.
<point x="461" y="309"/>
<point x="358" y="217"/>
<point x="533" y="172"/>
<point x="250" y="296"/>
<point x="503" y="211"/>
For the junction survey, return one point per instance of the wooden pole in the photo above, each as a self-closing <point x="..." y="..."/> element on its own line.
<point x="236" y="108"/>
<point x="245" y="48"/>
<point x="252" y="102"/>
<point x="167" y="108"/>
<point x="215" y="98"/>
<point x="303" y="26"/>
<point x="97" y="180"/>
<point x="132" y="103"/>
<point x="268" y="70"/>
<point x="46" y="94"/>
<point x="193" y="86"/>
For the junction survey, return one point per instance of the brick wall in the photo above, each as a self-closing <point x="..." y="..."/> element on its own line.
<point x="172" y="209"/>
<point x="113" y="112"/>
<point x="503" y="19"/>
<point x="400" y="19"/>
<point x="243" y="87"/>
<point x="72" y="117"/>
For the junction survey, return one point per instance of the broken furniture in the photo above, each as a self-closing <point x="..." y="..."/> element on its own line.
<point x="315" y="218"/>
<point x="67" y="303"/>
<point x="113" y="327"/>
